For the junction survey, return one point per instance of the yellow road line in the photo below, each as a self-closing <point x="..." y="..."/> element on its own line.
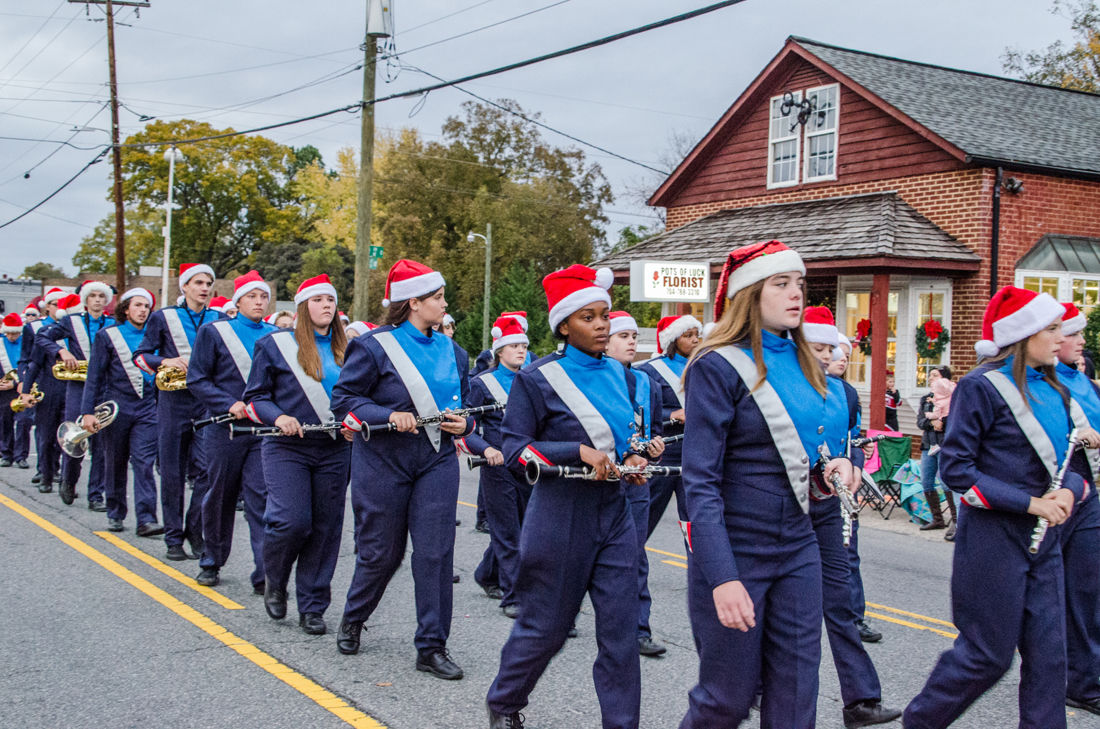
<point x="925" y="618"/>
<point x="675" y="564"/>
<point x="908" y="624"/>
<point x="680" y="557"/>
<point x="175" y="574"/>
<point x="308" y="688"/>
<point x="466" y="503"/>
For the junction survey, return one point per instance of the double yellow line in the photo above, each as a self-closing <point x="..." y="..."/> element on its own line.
<point x="308" y="688"/>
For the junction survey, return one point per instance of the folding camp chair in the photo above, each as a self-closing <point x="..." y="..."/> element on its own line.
<point x="882" y="492"/>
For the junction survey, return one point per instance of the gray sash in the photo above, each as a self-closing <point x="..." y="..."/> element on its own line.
<point x="780" y="426"/>
<point x="599" y="432"/>
<point x="179" y="336"/>
<point x="233" y="343"/>
<point x="314" y="390"/>
<point x="662" y="368"/>
<point x="1080" y="420"/>
<point x="5" y="362"/>
<point x="1026" y="419"/>
<point x="80" y="333"/>
<point x="126" y="359"/>
<point x="495" y="388"/>
<point x="414" y="383"/>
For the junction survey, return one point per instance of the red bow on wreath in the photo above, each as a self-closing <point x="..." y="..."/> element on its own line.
<point x="932" y="329"/>
<point x="863" y="329"/>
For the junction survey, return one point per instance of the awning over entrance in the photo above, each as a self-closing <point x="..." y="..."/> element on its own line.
<point x="1063" y="253"/>
<point x="876" y="231"/>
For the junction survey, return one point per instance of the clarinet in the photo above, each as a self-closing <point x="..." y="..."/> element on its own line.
<point x="197" y="425"/>
<point x="849" y="509"/>
<point x="476" y="462"/>
<point x="860" y="442"/>
<point x="534" y="471"/>
<point x="1041" y="525"/>
<point x="672" y="438"/>
<point x="264" y="431"/>
<point x="369" y="430"/>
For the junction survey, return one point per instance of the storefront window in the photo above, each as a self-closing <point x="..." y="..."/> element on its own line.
<point x="1086" y="293"/>
<point x="1042" y="284"/>
<point x="857" y="306"/>
<point x="930" y="305"/>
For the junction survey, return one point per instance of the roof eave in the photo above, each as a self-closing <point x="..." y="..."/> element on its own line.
<point x="1018" y="166"/>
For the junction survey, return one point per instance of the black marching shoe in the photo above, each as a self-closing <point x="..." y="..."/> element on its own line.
<point x="347" y="638"/>
<point x="493" y="591"/>
<point x="22" y="463"/>
<point x="868" y="713"/>
<point x="439" y="664"/>
<point x="114" y="525"/>
<point x="176" y="553"/>
<point x="510" y="611"/>
<point x="504" y="721"/>
<point x="197" y="546"/>
<point x="36" y="479"/>
<point x="208" y="577"/>
<point x="67" y="492"/>
<point x="45" y="487"/>
<point x="649" y="647"/>
<point x="150" y="529"/>
<point x="456" y="579"/>
<point x="258" y="588"/>
<point x="5" y="462"/>
<point x="482" y="526"/>
<point x="274" y="601"/>
<point x="868" y="634"/>
<point x="97" y="505"/>
<point x="572" y="632"/>
<point x="1090" y="705"/>
<point x="312" y="623"/>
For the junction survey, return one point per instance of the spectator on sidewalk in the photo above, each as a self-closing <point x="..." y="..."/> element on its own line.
<point x="893" y="399"/>
<point x="932" y="420"/>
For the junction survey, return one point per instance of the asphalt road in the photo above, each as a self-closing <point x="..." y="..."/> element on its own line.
<point x="97" y="637"/>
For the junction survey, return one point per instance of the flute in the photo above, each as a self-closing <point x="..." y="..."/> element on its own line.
<point x="535" y="470"/>
<point x="1041" y="525"/>
<point x="216" y="420"/>
<point x="369" y="430"/>
<point x="849" y="509"/>
<point x="274" y="431"/>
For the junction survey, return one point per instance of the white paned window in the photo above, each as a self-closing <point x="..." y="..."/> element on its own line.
<point x="783" y="144"/>
<point x="821" y="133"/>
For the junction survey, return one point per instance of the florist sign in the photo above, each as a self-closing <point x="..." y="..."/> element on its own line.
<point x="669" y="281"/>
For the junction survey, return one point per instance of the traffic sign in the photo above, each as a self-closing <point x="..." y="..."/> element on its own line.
<point x="376" y="251"/>
<point x="374" y="264"/>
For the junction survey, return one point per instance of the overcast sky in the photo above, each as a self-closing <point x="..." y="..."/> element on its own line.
<point x="195" y="58"/>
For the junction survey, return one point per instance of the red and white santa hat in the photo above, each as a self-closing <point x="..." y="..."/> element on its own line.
<point x="189" y="270"/>
<point x="31" y="309"/>
<point x="218" y="303"/>
<point x="70" y="304"/>
<point x="52" y="295"/>
<point x="622" y="321"/>
<point x="707" y="329"/>
<point x="316" y="286"/>
<point x="448" y="320"/>
<point x="139" y="291"/>
<point x="520" y="316"/>
<point x="249" y="282"/>
<point x="671" y="328"/>
<point x="91" y="286"/>
<point x="748" y="264"/>
<point x="1013" y="315"/>
<point x="410" y="279"/>
<point x="1073" y="320"/>
<point x="843" y="347"/>
<point x="819" y="326"/>
<point x="344" y="318"/>
<point x="571" y="289"/>
<point x="360" y="327"/>
<point x="507" y="330"/>
<point x="12" y="324"/>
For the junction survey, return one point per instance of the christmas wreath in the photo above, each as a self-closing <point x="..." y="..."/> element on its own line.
<point x="931" y="339"/>
<point x="863" y="336"/>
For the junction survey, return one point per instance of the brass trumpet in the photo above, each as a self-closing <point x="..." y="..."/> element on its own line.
<point x="171" y="379"/>
<point x="17" y="405"/>
<point x="72" y="437"/>
<point x="80" y="374"/>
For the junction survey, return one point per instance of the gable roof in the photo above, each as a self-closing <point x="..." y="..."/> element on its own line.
<point x="876" y="225"/>
<point x="979" y="118"/>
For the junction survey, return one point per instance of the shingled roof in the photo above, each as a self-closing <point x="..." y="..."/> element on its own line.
<point x="875" y="225"/>
<point x="992" y="119"/>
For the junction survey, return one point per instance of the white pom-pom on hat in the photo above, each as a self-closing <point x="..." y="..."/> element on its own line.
<point x="605" y="277"/>
<point x="497" y="332"/>
<point x="385" y="303"/>
<point x="986" y="348"/>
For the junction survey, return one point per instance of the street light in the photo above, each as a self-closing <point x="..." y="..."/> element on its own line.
<point x="173" y="155"/>
<point x="488" y="238"/>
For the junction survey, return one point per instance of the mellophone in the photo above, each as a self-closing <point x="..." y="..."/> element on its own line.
<point x="849" y="509"/>
<point x="366" y="432"/>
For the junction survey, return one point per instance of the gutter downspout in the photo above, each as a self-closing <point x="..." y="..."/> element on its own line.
<point x="995" y="238"/>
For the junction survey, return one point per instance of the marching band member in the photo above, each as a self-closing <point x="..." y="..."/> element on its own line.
<point x="1008" y="433"/>
<point x="78" y="331"/>
<point x="860" y="688"/>
<point x="290" y="386"/>
<point x="219" y="304"/>
<point x="506" y="495"/>
<point x="15" y="428"/>
<point x="30" y="313"/>
<point x="132" y="437"/>
<point x="578" y="537"/>
<point x="754" y="569"/>
<point x="48" y="413"/>
<point x="281" y="319"/>
<point x="447" y="326"/>
<point x="169" y="337"/>
<point x="219" y="369"/>
<point x="405" y="483"/>
<point x="484" y="360"/>
<point x="1081" y="537"/>
<point x="622" y="346"/>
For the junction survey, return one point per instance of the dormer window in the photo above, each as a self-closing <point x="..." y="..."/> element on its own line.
<point x="783" y="144"/>
<point x="821" y="134"/>
<point x="808" y="150"/>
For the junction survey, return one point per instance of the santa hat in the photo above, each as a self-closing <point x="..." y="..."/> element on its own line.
<point x="571" y="289"/>
<point x="622" y="321"/>
<point x="507" y="330"/>
<point x="270" y="318"/>
<point x="71" y="304"/>
<point x="249" y="282"/>
<point x="360" y="327"/>
<point x="138" y="291"/>
<point x="1073" y="320"/>
<point x="749" y="264"/>
<point x="31" y="309"/>
<point x="52" y="295"/>
<point x="448" y="319"/>
<point x="520" y="316"/>
<point x="316" y="286"/>
<point x="91" y="286"/>
<point x="12" y="324"/>
<point x="180" y="299"/>
<point x="189" y="270"/>
<point x="671" y="328"/>
<point x="707" y="329"/>
<point x="218" y="303"/>
<point x="841" y="342"/>
<point x="344" y="318"/>
<point x="409" y="279"/>
<point x="1013" y="315"/>
<point x="819" y="326"/>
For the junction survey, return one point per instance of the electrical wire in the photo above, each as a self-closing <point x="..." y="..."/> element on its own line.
<point x="478" y="30"/>
<point x="34" y="35"/>
<point x="53" y="141"/>
<point x="448" y="15"/>
<point x="49" y="197"/>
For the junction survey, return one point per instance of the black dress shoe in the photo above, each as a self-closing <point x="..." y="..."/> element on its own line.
<point x="482" y="526"/>
<point x="150" y="529"/>
<point x="1090" y="705"/>
<point x="240" y="504"/>
<point x="197" y="546"/>
<point x="493" y="591"/>
<point x="36" y="479"/>
<point x="22" y="463"/>
<point x="312" y="623"/>
<point x="868" y="713"/>
<point x="649" y="647"/>
<point x="347" y="639"/>
<point x="275" y="602"/>
<point x="458" y="522"/>
<point x="439" y="664"/>
<point x="5" y="462"/>
<point x="258" y="588"/>
<point x="67" y="491"/>
<point x="45" y="488"/>
<point x="97" y="505"/>
<point x="208" y="577"/>
<point x="510" y="611"/>
<point x="868" y="634"/>
<point x="114" y="525"/>
<point x="176" y="553"/>
<point x="504" y="721"/>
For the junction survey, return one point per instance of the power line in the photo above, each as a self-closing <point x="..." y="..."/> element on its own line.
<point x="478" y="30"/>
<point x="63" y="142"/>
<point x="49" y="197"/>
<point x="448" y="15"/>
<point x="34" y="35"/>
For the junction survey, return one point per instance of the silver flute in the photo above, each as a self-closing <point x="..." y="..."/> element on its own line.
<point x="849" y="509"/>
<point x="535" y="470"/>
<point x="1041" y="525"/>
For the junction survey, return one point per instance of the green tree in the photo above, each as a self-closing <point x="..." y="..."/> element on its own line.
<point x="646" y="313"/>
<point x="1092" y="332"/>
<point x="1076" y="66"/>
<point x="42" y="270"/>
<point x="520" y="289"/>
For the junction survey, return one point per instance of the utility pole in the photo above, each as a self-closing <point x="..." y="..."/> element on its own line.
<point x="116" y="150"/>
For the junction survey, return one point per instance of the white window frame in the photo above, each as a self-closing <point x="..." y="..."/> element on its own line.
<point x="1065" y="279"/>
<point x="808" y="135"/>
<point x="796" y="136"/>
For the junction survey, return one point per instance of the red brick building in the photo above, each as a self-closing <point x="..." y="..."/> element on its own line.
<point x="911" y="190"/>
